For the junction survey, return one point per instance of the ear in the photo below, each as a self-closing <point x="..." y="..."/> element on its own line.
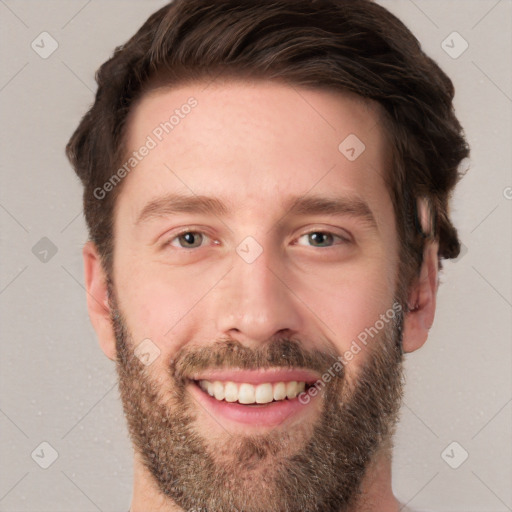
<point x="97" y="299"/>
<point x="422" y="301"/>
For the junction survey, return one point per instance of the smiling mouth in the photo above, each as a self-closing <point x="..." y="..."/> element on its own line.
<point x="252" y="394"/>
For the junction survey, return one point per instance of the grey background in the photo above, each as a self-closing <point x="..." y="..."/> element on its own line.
<point x="58" y="387"/>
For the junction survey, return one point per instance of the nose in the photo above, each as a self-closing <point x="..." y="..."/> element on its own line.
<point x="256" y="301"/>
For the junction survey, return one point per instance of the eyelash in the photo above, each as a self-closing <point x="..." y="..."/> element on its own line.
<point x="343" y="240"/>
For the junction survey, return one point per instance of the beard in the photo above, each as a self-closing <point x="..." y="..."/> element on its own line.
<point x="312" y="467"/>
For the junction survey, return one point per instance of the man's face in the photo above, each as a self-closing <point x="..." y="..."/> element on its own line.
<point x="259" y="293"/>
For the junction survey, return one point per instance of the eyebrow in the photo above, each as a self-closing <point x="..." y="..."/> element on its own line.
<point x="173" y="204"/>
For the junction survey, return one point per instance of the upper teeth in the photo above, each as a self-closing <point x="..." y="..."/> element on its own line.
<point x="245" y="393"/>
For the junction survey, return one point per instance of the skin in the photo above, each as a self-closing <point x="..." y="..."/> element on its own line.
<point x="252" y="145"/>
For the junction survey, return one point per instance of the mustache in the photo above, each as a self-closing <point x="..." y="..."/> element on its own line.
<point x="282" y="352"/>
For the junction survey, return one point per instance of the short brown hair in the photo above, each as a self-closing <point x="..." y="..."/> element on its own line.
<point x="342" y="45"/>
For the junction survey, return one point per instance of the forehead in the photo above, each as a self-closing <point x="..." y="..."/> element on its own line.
<point x="253" y="145"/>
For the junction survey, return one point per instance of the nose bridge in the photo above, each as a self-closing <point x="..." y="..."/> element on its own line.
<point x="255" y="301"/>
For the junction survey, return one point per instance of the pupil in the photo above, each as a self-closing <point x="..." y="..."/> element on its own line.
<point x="315" y="236"/>
<point x="189" y="238"/>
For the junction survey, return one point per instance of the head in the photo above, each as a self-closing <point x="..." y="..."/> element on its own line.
<point x="266" y="188"/>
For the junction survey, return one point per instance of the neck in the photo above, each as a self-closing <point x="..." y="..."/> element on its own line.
<point x="376" y="490"/>
<point x="377" y="494"/>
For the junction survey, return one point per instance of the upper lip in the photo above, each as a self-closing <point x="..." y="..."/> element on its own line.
<point x="258" y="376"/>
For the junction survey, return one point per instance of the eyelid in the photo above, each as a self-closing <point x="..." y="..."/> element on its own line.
<point x="346" y="238"/>
<point x="189" y="229"/>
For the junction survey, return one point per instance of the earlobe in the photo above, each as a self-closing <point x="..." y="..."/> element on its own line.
<point x="97" y="299"/>
<point x="422" y="301"/>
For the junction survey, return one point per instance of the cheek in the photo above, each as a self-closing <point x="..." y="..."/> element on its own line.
<point x="351" y="300"/>
<point x="159" y="306"/>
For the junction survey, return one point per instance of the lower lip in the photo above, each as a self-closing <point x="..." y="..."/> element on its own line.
<point x="265" y="415"/>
